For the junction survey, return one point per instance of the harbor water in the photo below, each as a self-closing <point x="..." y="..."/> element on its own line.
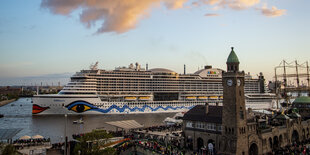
<point x="18" y="115"/>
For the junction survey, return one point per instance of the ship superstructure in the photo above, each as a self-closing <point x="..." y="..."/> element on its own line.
<point x="134" y="89"/>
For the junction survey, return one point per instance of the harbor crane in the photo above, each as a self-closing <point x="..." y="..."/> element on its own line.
<point x="290" y="78"/>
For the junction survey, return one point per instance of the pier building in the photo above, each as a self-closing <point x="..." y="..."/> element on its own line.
<point x="232" y="129"/>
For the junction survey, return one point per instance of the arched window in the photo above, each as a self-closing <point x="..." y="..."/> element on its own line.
<point x="270" y="142"/>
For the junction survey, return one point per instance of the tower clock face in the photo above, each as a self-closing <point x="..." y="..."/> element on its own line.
<point x="229" y="82"/>
<point x="238" y="82"/>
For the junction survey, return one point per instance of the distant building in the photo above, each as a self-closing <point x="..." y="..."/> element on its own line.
<point x="49" y="89"/>
<point x="233" y="130"/>
<point x="10" y="90"/>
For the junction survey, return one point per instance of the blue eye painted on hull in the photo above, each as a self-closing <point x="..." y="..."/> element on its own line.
<point x="80" y="106"/>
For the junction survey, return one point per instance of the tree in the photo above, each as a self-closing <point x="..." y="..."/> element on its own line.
<point x="9" y="150"/>
<point x="90" y="143"/>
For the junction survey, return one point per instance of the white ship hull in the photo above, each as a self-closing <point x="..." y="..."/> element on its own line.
<point x="93" y="105"/>
<point x="60" y="104"/>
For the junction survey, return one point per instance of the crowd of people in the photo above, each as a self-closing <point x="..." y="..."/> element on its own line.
<point x="299" y="148"/>
<point x="149" y="145"/>
<point x="163" y="128"/>
<point x="174" y="145"/>
<point x="154" y="143"/>
<point x="76" y="136"/>
<point x="113" y="133"/>
<point x="40" y="140"/>
<point x="58" y="145"/>
<point x="21" y="143"/>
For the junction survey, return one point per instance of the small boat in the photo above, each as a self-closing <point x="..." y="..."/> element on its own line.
<point x="1" y="115"/>
<point x="176" y="119"/>
<point x="79" y="121"/>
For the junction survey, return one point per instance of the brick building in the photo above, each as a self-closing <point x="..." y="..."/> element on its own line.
<point x="231" y="129"/>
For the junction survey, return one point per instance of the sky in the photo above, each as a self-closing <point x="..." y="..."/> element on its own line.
<point x="43" y="37"/>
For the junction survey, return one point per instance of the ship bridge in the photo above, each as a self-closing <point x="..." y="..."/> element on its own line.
<point x="209" y="72"/>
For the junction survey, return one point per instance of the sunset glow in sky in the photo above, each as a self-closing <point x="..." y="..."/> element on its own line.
<point x="41" y="37"/>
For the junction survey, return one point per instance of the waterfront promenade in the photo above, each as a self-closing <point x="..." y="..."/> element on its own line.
<point x="5" y="102"/>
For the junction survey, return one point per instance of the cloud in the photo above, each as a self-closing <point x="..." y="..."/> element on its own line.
<point x="63" y="7"/>
<point x="273" y="12"/>
<point x="233" y="4"/>
<point x="211" y="2"/>
<point x="175" y="4"/>
<point x="120" y="16"/>
<point x="116" y="15"/>
<point x="241" y="4"/>
<point x="196" y="4"/>
<point x="212" y="14"/>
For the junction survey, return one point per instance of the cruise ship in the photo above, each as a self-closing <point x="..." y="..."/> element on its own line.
<point x="132" y="89"/>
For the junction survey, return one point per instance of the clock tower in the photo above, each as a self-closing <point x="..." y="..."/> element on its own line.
<point x="234" y="128"/>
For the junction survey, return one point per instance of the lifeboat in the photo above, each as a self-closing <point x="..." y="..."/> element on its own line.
<point x="191" y="97"/>
<point x="203" y="97"/>
<point x="130" y="98"/>
<point x="144" y="98"/>
<point x="213" y="97"/>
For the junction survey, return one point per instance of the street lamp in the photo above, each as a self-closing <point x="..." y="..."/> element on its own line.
<point x="65" y="150"/>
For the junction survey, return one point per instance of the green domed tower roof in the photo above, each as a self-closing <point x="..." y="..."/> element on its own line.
<point x="232" y="58"/>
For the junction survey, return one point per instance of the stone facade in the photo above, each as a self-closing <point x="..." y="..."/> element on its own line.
<point x="234" y="135"/>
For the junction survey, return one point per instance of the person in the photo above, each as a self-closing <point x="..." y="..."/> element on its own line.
<point x="210" y="148"/>
<point x="204" y="150"/>
<point x="304" y="151"/>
